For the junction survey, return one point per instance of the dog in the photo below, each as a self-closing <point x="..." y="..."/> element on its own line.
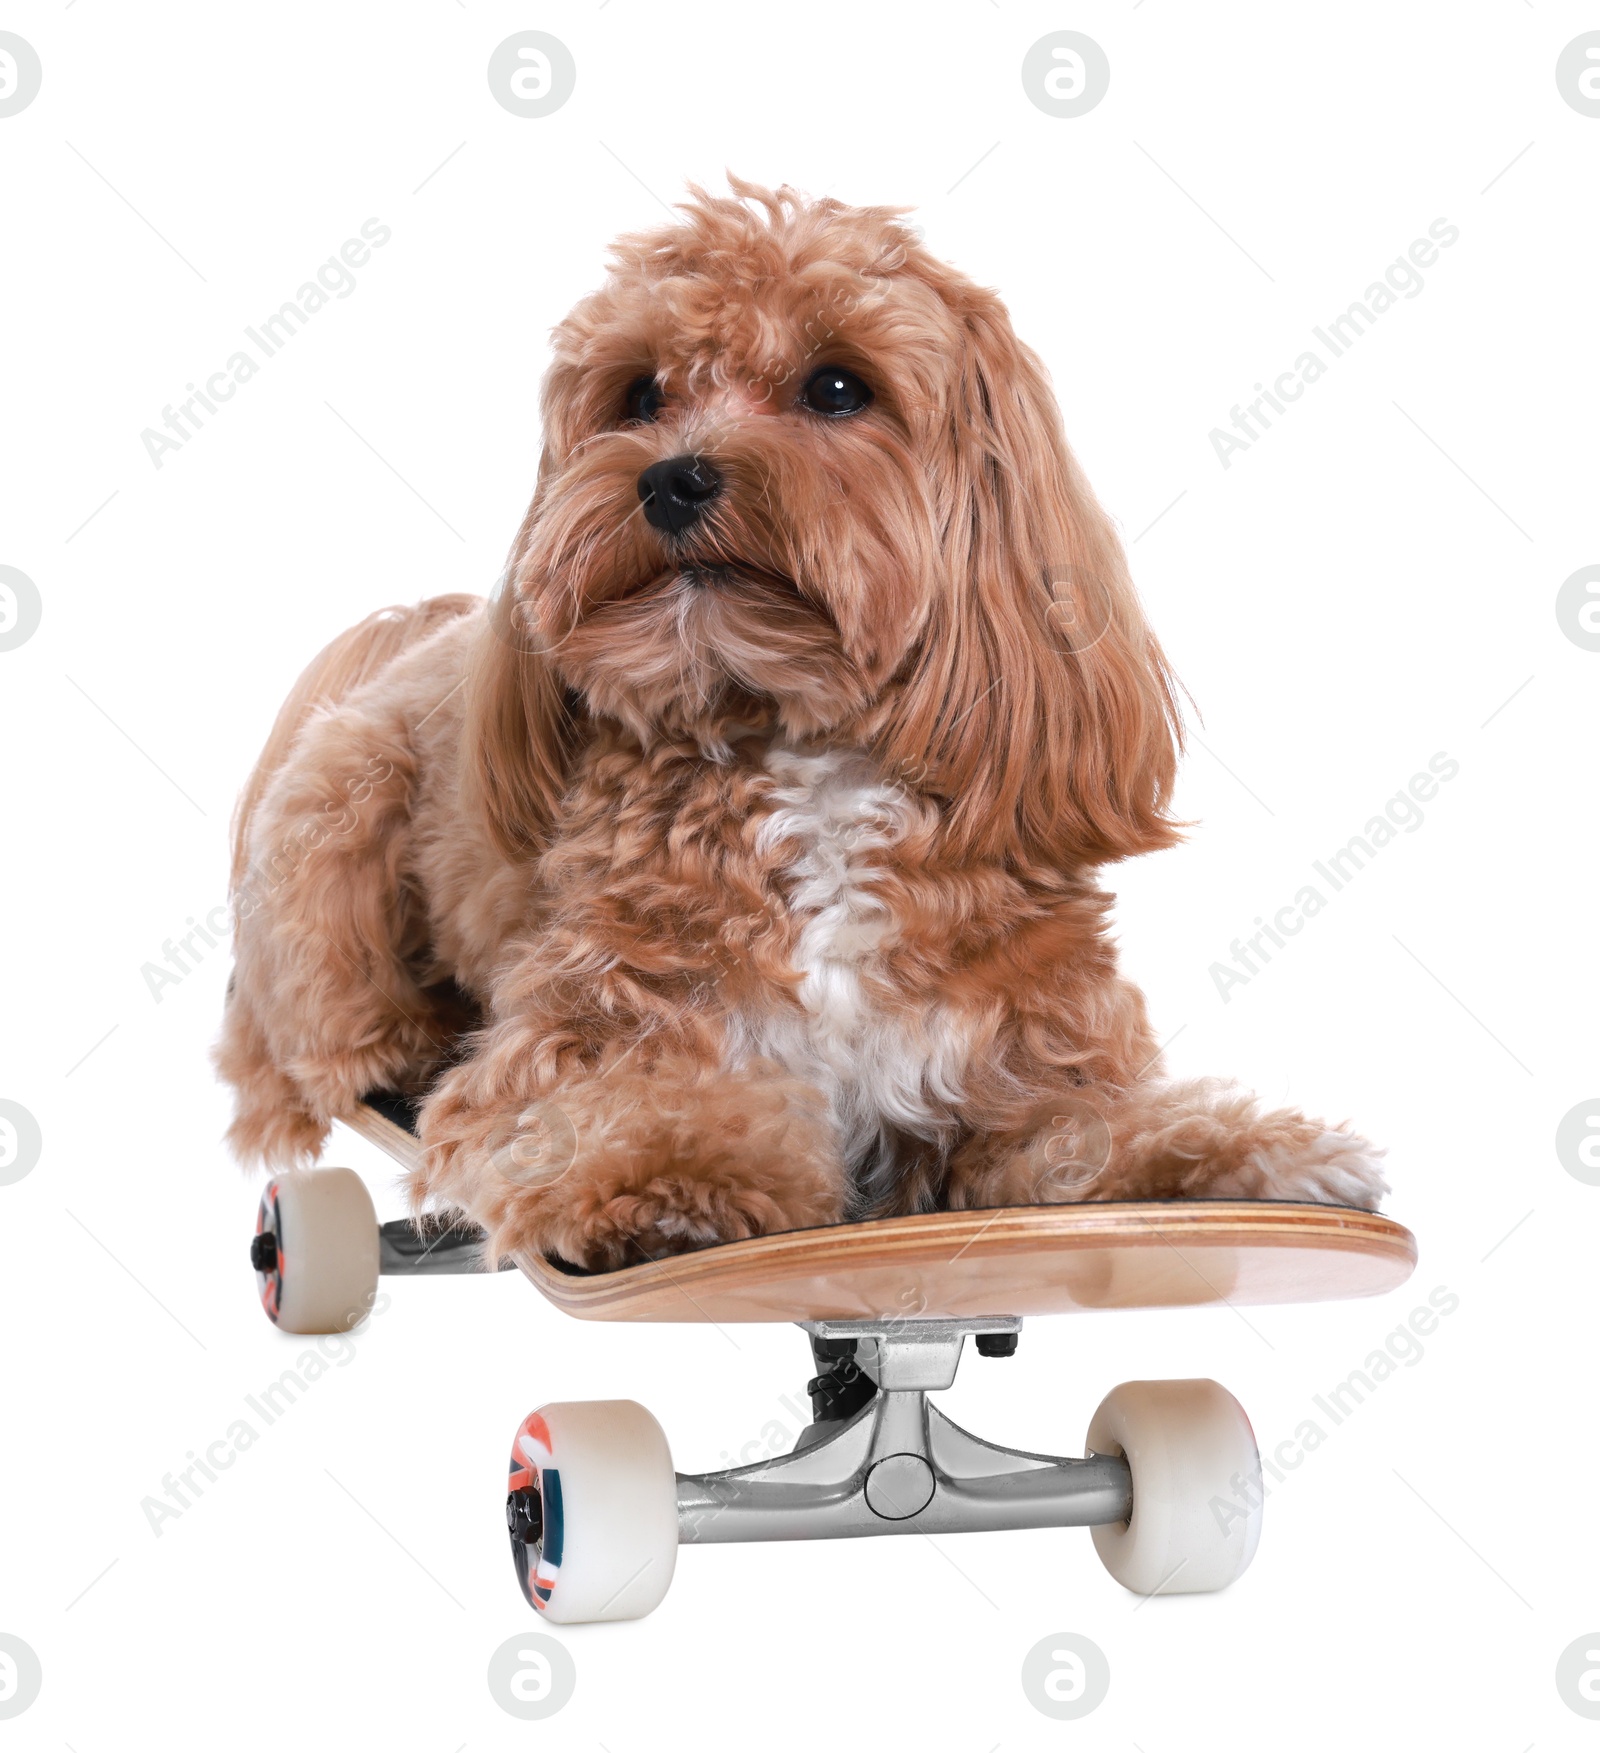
<point x="733" y="869"/>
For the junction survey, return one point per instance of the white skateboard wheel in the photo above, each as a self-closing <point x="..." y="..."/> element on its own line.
<point x="592" y="1507"/>
<point x="1192" y="1454"/>
<point x="316" y="1251"/>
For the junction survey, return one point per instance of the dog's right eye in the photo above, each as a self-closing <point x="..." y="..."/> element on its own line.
<point x="834" y="392"/>
<point x="644" y="399"/>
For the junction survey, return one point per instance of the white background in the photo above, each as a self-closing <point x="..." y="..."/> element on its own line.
<point x="1361" y="589"/>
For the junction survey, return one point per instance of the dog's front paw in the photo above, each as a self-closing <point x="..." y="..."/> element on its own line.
<point x="611" y="1172"/>
<point x="611" y="1223"/>
<point x="602" y="1216"/>
<point x="1334" y="1168"/>
<point x="608" y="1191"/>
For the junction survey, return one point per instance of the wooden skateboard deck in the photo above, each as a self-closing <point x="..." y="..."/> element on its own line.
<point x="1022" y="1260"/>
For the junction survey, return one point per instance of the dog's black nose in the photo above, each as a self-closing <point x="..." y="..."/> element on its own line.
<point x="677" y="491"/>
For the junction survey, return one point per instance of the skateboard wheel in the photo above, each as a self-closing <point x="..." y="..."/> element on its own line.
<point x="592" y="1508"/>
<point x="1189" y="1448"/>
<point x="315" y="1251"/>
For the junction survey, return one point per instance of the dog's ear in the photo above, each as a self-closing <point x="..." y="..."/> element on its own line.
<point x="1040" y="706"/>
<point x="519" y="731"/>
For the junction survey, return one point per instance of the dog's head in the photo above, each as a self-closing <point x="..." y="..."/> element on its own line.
<point x="799" y="473"/>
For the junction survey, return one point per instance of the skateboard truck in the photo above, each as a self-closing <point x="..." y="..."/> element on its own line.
<point x="898" y="1465"/>
<point x="431" y="1247"/>
<point x="840" y="1388"/>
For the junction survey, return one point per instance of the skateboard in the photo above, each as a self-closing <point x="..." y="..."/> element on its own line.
<point x="595" y="1511"/>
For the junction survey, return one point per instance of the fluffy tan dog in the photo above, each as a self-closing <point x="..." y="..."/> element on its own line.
<point x="757" y="819"/>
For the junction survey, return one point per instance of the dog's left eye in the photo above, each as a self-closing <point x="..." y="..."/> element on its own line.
<point x="644" y="399"/>
<point x="832" y="390"/>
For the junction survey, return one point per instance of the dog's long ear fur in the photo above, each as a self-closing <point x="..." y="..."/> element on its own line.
<point x="1040" y="707"/>
<point x="519" y="729"/>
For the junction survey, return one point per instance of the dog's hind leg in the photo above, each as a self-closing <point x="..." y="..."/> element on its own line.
<point x="271" y="1122"/>
<point x="326" y="1006"/>
<point x="323" y="1004"/>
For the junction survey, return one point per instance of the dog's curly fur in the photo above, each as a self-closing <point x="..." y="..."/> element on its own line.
<point x="764" y="851"/>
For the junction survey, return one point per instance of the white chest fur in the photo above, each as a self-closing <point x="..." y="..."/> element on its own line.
<point x="881" y="1065"/>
